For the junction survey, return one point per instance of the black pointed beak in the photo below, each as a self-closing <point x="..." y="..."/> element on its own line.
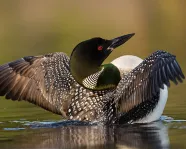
<point x="116" y="42"/>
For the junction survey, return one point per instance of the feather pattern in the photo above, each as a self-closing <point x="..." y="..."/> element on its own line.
<point x="144" y="82"/>
<point x="91" y="81"/>
<point x="47" y="82"/>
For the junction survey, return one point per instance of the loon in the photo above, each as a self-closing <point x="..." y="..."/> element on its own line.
<point x="127" y="90"/>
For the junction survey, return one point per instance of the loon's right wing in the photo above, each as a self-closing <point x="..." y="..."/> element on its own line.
<point x="145" y="81"/>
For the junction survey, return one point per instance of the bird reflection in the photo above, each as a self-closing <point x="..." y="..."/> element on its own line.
<point x="146" y="136"/>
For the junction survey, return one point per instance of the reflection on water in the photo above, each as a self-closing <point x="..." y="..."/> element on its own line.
<point x="151" y="136"/>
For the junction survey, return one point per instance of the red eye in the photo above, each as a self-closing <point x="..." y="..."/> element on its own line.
<point x="100" y="48"/>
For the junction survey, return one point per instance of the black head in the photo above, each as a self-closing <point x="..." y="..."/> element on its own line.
<point x="88" y="55"/>
<point x="96" y="50"/>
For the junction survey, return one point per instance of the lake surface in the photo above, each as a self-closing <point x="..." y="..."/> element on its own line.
<point x="164" y="134"/>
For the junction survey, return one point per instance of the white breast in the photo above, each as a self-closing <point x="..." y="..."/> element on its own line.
<point x="128" y="62"/>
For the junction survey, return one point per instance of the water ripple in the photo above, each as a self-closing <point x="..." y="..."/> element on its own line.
<point x="171" y="122"/>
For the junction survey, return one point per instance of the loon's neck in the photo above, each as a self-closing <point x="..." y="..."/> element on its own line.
<point x="81" y="69"/>
<point x="94" y="77"/>
<point x="109" y="78"/>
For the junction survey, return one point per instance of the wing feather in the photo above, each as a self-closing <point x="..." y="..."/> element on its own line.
<point x="47" y="82"/>
<point x="27" y="79"/>
<point x="145" y="81"/>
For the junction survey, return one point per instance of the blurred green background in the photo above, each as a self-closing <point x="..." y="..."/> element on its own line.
<point x="34" y="27"/>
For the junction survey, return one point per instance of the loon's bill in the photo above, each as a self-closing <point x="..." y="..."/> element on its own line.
<point x="47" y="81"/>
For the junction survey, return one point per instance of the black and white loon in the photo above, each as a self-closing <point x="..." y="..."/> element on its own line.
<point x="127" y="90"/>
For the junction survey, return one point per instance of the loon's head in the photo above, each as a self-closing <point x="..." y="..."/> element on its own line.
<point x="87" y="56"/>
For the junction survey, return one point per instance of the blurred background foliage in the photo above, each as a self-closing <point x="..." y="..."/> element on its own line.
<point x="35" y="27"/>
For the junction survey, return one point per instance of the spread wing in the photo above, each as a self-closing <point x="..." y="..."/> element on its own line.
<point x="42" y="80"/>
<point x="46" y="81"/>
<point x="143" y="82"/>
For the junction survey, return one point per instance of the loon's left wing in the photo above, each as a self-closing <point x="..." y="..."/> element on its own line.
<point x="46" y="81"/>
<point x="145" y="81"/>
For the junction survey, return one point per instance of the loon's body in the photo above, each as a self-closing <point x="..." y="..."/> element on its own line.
<point x="128" y="90"/>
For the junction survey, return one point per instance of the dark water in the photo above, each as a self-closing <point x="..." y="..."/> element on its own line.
<point x="163" y="134"/>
